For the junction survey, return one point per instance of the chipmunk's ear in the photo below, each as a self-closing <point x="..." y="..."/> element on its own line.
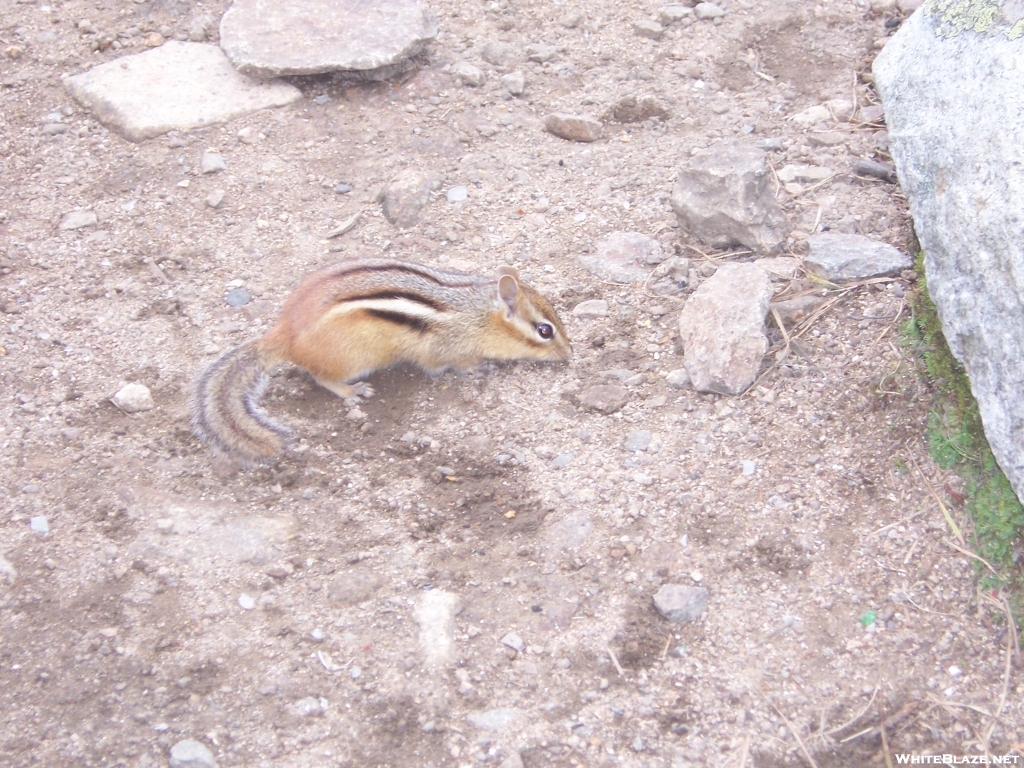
<point x="508" y="289"/>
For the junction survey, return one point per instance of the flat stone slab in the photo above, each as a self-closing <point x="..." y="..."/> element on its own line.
<point x="842" y="258"/>
<point x="178" y="86"/>
<point x="272" y="38"/>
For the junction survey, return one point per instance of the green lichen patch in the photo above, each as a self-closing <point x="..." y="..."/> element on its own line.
<point x="956" y="16"/>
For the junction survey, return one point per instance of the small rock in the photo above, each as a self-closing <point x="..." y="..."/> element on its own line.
<point x="307" y="707"/>
<point x="621" y="257"/>
<point x="540" y="52"/>
<point x="212" y="162"/>
<point x="670" y="14"/>
<point x="7" y="570"/>
<point x="706" y="11"/>
<point x="215" y="198"/>
<point x="189" y="753"/>
<point x="812" y="116"/>
<point x="853" y="257"/>
<point x="494" y="719"/>
<point x="39" y="524"/>
<point x="679" y="603"/>
<point x="133" y="398"/>
<point x="245" y="602"/>
<point x="435" y="613"/>
<point x="467" y="74"/>
<point x="513" y="641"/>
<point x="406" y="195"/>
<point x="678" y="379"/>
<point x="587" y="310"/>
<point x="583" y="128"/>
<point x="154" y="40"/>
<point x="638" y="440"/>
<point x="841" y="109"/>
<point x="804" y="173"/>
<point x="343" y="188"/>
<point x="248" y="135"/>
<point x="512" y="761"/>
<point x="749" y="466"/>
<point x="605" y="398"/>
<point x="722" y="328"/>
<point x="77" y="220"/>
<point x="863" y="167"/>
<point x="200" y="27"/>
<point x="562" y="460"/>
<point x="514" y="83"/>
<point x="53" y="129"/>
<point x="648" y="28"/>
<point x="784" y="267"/>
<point x="457" y="194"/>
<point x="238" y="297"/>
<point x="630" y="109"/>
<point x="498" y="54"/>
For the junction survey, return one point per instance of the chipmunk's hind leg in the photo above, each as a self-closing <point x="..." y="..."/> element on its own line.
<point x="351" y="394"/>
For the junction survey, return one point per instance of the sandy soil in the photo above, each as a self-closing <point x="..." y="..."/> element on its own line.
<point x="124" y="629"/>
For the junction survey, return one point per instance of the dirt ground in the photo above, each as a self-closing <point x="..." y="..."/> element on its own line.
<point x="271" y="614"/>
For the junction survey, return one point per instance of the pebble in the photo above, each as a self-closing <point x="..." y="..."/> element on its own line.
<point x="342" y="188"/>
<point x="605" y="398"/>
<point x="876" y="170"/>
<point x="435" y="614"/>
<point x="133" y="398"/>
<point x="53" y="129"/>
<point x="189" y="753"/>
<point x="154" y="40"/>
<point x="7" y="570"/>
<point x="562" y="460"/>
<point x="648" y="28"/>
<point x="705" y="11"/>
<point x="307" y="707"/>
<point x="622" y="257"/>
<point x="679" y="603"/>
<point x="212" y="162"/>
<point x="512" y="761"/>
<point x="582" y="128"/>
<point x="245" y="602"/>
<point x="593" y="308"/>
<point x="200" y="27"/>
<point x="247" y="135"/>
<point x="215" y="198"/>
<point x="404" y="197"/>
<point x="514" y="83"/>
<point x="39" y="524"/>
<point x="77" y="220"/>
<point x="804" y="173"/>
<point x="238" y="297"/>
<point x="678" y="379"/>
<point x="749" y="466"/>
<point x="513" y="641"/>
<point x="670" y="14"/>
<point x="494" y="719"/>
<point x="812" y="115"/>
<point x="457" y="194"/>
<point x="468" y="74"/>
<point x="638" y="440"/>
<point x="540" y="52"/>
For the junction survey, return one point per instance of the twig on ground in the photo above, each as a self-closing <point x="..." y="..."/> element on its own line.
<point x="615" y="661"/>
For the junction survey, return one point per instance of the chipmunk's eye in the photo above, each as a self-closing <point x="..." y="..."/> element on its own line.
<point x="545" y="331"/>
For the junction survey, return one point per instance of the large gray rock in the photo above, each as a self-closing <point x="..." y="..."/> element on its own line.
<point x="724" y="199"/>
<point x="178" y="86"/>
<point x="722" y="329"/>
<point x="272" y="38"/>
<point x="952" y="98"/>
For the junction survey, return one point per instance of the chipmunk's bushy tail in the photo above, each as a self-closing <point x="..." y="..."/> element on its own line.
<point x="226" y="413"/>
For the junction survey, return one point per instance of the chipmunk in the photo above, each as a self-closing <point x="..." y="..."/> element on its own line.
<point x="348" y="320"/>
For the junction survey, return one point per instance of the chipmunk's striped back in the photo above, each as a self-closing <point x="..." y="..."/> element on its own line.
<point x="350" y="319"/>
